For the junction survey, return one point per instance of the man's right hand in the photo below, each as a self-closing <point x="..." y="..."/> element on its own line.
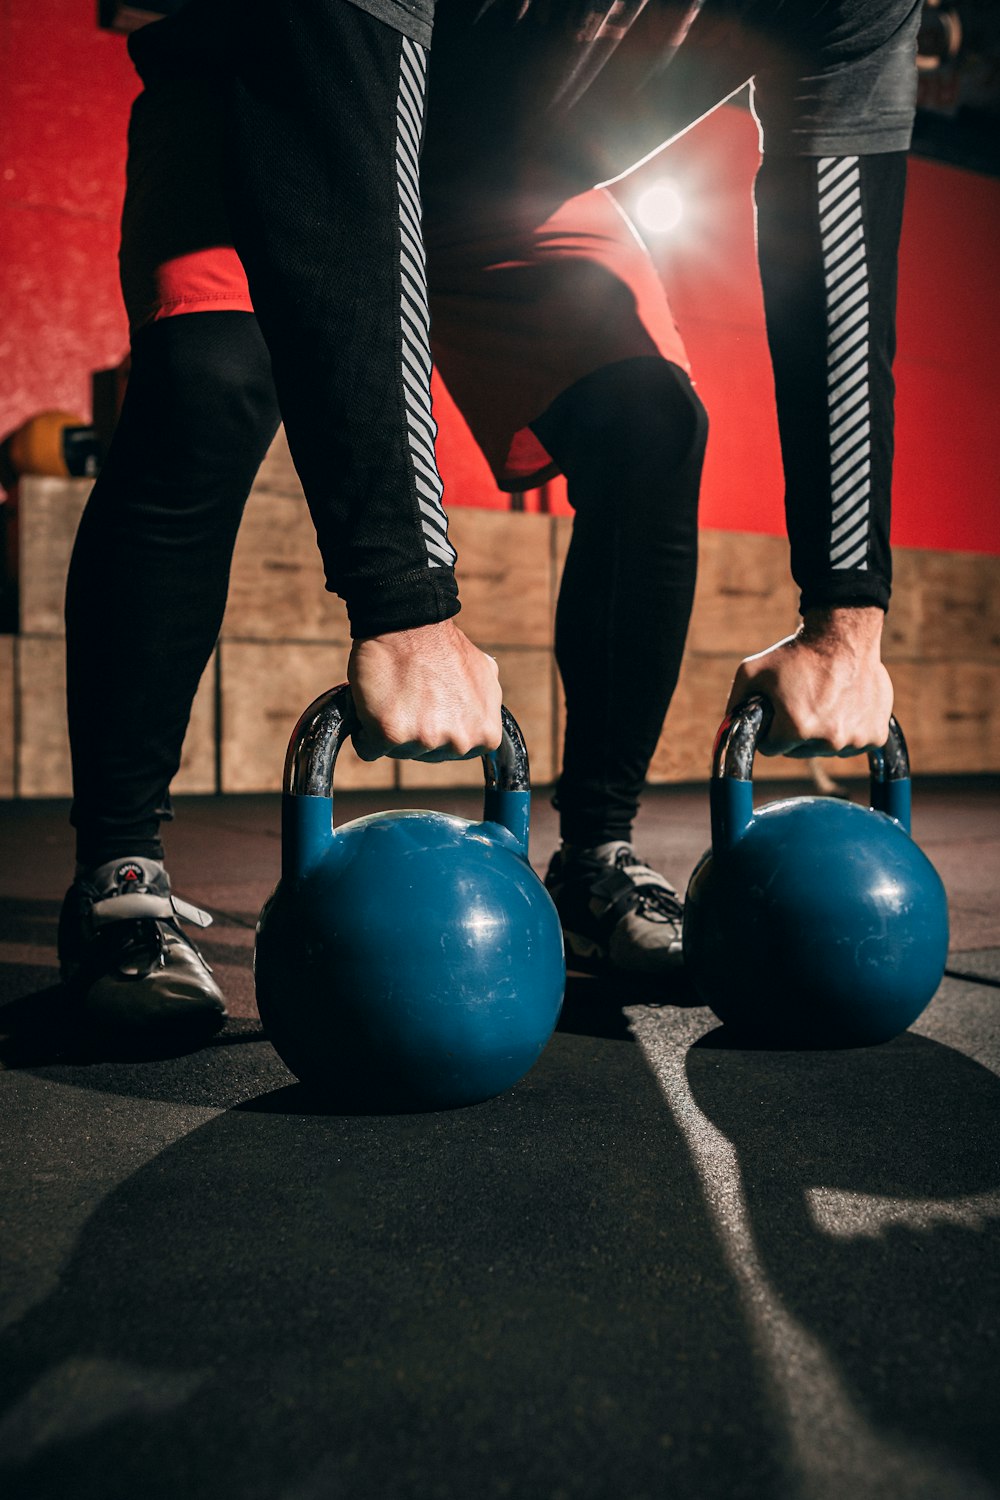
<point x="424" y="694"/>
<point x="830" y="692"/>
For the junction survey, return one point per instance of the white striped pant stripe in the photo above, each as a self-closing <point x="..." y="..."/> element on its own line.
<point x="845" y="270"/>
<point x="415" y="369"/>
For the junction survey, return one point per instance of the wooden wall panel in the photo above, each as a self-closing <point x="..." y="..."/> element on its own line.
<point x="266" y="686"/>
<point x="745" y="597"/>
<point x="945" y="606"/>
<point x="48" y="514"/>
<point x="950" y="714"/>
<point x="504" y="576"/>
<point x="7" y="716"/>
<point x="276" y="588"/>
<point x="43" y="768"/>
<point x="285" y="639"/>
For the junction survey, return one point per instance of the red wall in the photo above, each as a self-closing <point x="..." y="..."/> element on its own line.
<point x="65" y="90"/>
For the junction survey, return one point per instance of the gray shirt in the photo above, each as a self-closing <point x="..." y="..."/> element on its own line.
<point x="412" y="17"/>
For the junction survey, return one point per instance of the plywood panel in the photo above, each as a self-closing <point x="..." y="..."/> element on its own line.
<point x="43" y="767"/>
<point x="43" y="759"/>
<point x="945" y="605"/>
<point x="48" y="514"/>
<point x="527" y="678"/>
<point x="504" y="576"/>
<point x="7" y="716"/>
<point x="266" y="686"/>
<point x="276" y="588"/>
<point x="950" y="715"/>
<point x="745" y="599"/>
<point x="684" y="752"/>
<point x="562" y="535"/>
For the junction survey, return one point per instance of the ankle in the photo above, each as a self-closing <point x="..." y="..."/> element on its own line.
<point x="91" y="857"/>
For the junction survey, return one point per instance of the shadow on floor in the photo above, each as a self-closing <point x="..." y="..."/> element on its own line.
<point x="519" y="1298"/>
<point x="872" y="1180"/>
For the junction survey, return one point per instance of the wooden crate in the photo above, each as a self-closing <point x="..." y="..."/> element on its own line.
<point x="745" y="598"/>
<point x="276" y="589"/>
<point x="950" y="715"/>
<point x="8" y="785"/>
<point x="48" y="514"/>
<point x="945" y="606"/>
<point x="504" y="576"/>
<point x="527" y="676"/>
<point x="43" y="760"/>
<point x="266" y="686"/>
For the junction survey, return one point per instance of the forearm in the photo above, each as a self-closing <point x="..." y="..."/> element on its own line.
<point x="835" y="95"/>
<point x="828" y="234"/>
<point x="324" y="112"/>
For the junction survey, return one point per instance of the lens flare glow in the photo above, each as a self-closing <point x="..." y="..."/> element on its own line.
<point x="660" y="207"/>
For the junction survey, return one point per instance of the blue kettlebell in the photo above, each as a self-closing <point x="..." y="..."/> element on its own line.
<point x="407" y="960"/>
<point x="813" y="922"/>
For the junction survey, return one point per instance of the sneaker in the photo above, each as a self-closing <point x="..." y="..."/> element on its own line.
<point x="123" y="954"/>
<point x="618" y="915"/>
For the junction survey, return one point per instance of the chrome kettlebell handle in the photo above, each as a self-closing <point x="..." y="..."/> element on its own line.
<point x="322" y="729"/>
<point x="732" y="766"/>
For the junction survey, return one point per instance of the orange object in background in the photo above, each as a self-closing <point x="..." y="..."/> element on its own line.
<point x="57" y="443"/>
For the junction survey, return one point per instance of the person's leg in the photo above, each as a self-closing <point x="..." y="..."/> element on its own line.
<point x="145" y="598"/>
<point x="150" y="568"/>
<point x="325" y="116"/>
<point x="630" y="439"/>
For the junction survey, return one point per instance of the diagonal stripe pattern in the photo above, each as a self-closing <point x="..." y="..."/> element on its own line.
<point x="414" y="318"/>
<point x="845" y="274"/>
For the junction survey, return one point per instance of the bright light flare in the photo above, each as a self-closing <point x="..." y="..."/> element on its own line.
<point x="660" y="207"/>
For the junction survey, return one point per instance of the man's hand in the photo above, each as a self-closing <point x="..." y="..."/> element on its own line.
<point x="424" y="694"/>
<point x="830" y="692"/>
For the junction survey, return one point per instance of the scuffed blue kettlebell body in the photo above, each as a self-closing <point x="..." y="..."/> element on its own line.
<point x="824" y="925"/>
<point x="813" y="922"/>
<point x="418" y="965"/>
<point x="408" y="960"/>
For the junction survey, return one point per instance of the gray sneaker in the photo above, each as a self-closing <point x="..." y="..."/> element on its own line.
<point x="618" y="915"/>
<point x="125" y="959"/>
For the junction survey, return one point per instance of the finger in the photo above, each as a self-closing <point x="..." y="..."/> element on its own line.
<point x="808" y="749"/>
<point x="366" y="746"/>
<point x="452" y="752"/>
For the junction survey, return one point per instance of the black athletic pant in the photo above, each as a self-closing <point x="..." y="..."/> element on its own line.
<point x="150" y="569"/>
<point x="148" y="579"/>
<point x="630" y="439"/>
<point x="320" y="127"/>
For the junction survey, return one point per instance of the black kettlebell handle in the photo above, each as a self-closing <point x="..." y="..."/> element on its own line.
<point x="322" y="729"/>
<point x="741" y="732"/>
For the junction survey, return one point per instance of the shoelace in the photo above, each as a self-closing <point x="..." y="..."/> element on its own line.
<point x="655" y="900"/>
<point x="142" y="939"/>
<point x="142" y="952"/>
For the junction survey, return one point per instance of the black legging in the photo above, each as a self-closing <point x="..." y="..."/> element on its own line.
<point x="150" y="570"/>
<point x="630" y="440"/>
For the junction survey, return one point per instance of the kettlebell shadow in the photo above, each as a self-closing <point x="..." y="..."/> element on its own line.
<point x="514" y="1298"/>
<point x="872" y="1181"/>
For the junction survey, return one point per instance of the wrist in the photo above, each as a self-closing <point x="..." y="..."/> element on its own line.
<point x="856" y="628"/>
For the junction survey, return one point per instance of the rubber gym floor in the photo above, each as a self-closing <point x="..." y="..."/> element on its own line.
<point x="660" y="1267"/>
